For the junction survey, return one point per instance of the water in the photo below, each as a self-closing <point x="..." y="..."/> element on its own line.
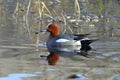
<point x="20" y="56"/>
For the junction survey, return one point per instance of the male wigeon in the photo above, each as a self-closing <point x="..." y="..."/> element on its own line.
<point x="62" y="42"/>
<point x="56" y="39"/>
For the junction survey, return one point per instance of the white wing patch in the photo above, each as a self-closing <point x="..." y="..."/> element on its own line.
<point x="69" y="42"/>
<point x="77" y="43"/>
<point x="62" y="40"/>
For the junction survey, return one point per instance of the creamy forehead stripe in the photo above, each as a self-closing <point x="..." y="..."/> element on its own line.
<point x="62" y="40"/>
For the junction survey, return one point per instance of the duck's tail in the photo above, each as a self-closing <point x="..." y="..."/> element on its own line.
<point x="85" y="44"/>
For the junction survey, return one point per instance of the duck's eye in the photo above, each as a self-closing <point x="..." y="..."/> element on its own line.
<point x="50" y="27"/>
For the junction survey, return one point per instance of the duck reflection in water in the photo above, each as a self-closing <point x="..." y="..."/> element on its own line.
<point x="66" y="51"/>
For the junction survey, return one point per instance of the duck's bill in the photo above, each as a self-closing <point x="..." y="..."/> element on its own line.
<point x="43" y="57"/>
<point x="43" y="30"/>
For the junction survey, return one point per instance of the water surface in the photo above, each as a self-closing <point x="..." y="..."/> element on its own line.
<point x="20" y="58"/>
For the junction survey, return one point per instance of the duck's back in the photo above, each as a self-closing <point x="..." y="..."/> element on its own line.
<point x="65" y="40"/>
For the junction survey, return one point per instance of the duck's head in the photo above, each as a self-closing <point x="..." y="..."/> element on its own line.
<point x="53" y="29"/>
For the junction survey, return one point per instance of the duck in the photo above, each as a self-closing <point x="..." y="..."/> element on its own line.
<point x="56" y="39"/>
<point x="78" y="43"/>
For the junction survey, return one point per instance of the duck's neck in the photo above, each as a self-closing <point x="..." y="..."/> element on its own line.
<point x="54" y="34"/>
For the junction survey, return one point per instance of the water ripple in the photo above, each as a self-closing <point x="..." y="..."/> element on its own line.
<point x="19" y="76"/>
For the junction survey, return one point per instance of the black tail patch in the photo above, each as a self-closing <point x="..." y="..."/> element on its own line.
<point x="85" y="45"/>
